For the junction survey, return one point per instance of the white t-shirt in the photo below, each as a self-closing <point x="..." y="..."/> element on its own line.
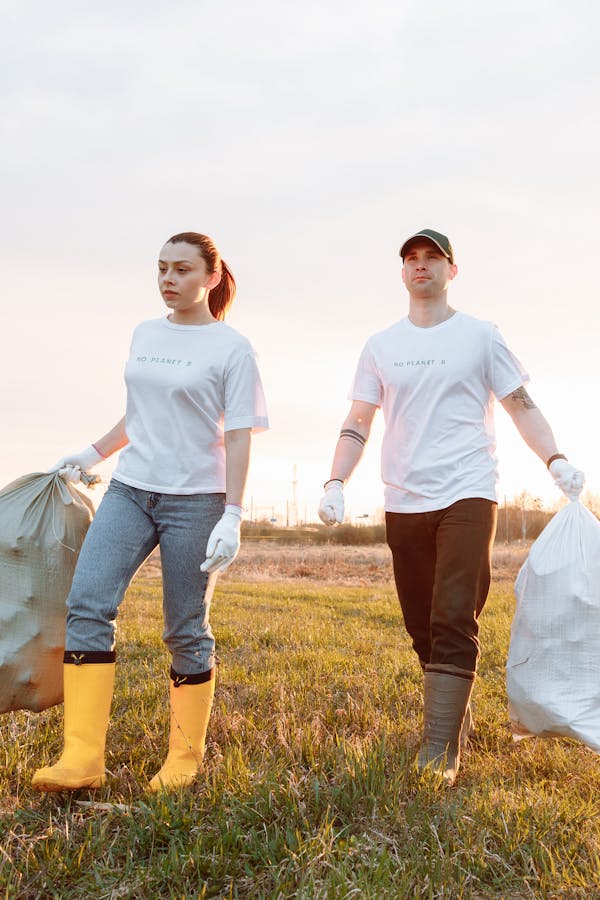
<point x="186" y="386"/>
<point x="437" y="387"/>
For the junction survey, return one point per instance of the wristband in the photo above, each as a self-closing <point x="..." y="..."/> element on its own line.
<point x="341" y="481"/>
<point x="556" y="456"/>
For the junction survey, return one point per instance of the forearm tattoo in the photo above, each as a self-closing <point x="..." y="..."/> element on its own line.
<point x="353" y="435"/>
<point x="521" y="396"/>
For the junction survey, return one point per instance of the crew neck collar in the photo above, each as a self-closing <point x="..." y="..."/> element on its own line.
<point x="424" y="329"/>
<point x="176" y="326"/>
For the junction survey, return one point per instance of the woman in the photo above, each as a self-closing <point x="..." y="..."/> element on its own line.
<point x="193" y="398"/>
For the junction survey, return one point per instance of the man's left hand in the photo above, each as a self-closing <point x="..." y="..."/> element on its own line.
<point x="569" y="479"/>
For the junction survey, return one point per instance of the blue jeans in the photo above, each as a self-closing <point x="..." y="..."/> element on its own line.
<point x="128" y="525"/>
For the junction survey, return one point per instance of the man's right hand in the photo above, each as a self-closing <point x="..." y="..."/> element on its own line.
<point x="331" y="507"/>
<point x="71" y="466"/>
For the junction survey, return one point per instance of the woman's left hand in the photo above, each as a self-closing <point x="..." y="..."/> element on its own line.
<point x="224" y="541"/>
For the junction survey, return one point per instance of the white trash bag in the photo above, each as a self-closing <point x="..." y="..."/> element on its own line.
<point x="553" y="666"/>
<point x="43" y="521"/>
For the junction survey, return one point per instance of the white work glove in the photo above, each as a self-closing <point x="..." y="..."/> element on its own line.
<point x="331" y="507"/>
<point x="569" y="479"/>
<point x="71" y="466"/>
<point x="224" y="542"/>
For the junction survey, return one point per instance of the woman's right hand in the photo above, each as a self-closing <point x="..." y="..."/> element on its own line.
<point x="224" y="541"/>
<point x="71" y="466"/>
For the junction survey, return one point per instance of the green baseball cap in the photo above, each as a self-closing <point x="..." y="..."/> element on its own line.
<point x="440" y="240"/>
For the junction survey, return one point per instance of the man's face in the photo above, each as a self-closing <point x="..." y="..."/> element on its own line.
<point x="426" y="272"/>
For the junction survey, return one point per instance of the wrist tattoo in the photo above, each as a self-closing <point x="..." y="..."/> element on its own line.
<point x="521" y="396"/>
<point x="353" y="435"/>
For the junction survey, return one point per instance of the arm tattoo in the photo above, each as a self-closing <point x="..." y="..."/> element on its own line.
<point x="521" y="396"/>
<point x="353" y="435"/>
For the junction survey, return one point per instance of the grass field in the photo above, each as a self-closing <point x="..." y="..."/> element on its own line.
<point x="308" y="788"/>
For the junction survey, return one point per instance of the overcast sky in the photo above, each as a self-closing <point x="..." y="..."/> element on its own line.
<point x="309" y="140"/>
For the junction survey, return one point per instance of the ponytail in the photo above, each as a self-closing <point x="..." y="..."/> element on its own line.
<point x="222" y="295"/>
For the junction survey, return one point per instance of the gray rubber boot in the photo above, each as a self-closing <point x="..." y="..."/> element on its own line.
<point x="468" y="727"/>
<point x="447" y="694"/>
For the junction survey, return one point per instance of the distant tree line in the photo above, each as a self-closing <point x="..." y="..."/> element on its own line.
<point x="315" y="534"/>
<point x="520" y="523"/>
<point x="522" y="519"/>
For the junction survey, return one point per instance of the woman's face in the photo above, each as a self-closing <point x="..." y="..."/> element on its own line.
<point x="183" y="280"/>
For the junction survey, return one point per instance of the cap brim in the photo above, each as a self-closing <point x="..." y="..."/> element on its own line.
<point x="422" y="237"/>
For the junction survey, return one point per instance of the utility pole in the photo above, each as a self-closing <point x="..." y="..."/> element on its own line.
<point x="295" y="496"/>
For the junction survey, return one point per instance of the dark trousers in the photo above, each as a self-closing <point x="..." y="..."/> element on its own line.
<point x="442" y="568"/>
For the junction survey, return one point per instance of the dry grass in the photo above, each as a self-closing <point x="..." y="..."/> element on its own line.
<point x="308" y="791"/>
<point x="262" y="561"/>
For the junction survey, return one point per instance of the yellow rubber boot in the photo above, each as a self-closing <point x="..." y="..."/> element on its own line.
<point x="190" y="711"/>
<point x="88" y="695"/>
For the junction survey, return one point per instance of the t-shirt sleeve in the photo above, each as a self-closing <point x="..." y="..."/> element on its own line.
<point x="245" y="405"/>
<point x="506" y="373"/>
<point x="367" y="384"/>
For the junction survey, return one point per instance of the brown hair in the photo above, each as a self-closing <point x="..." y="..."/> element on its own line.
<point x="222" y="295"/>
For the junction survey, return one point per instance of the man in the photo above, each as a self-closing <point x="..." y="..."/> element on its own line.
<point x="436" y="374"/>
